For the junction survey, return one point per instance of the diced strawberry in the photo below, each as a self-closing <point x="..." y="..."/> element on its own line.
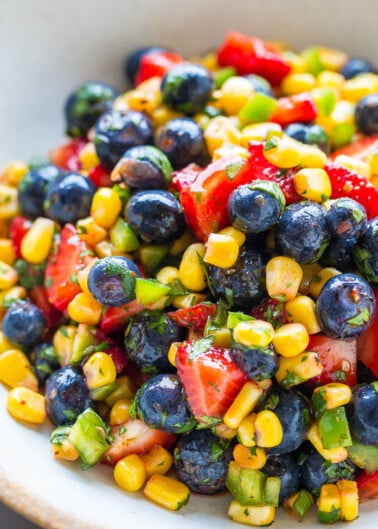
<point x="359" y="149"/>
<point x="338" y="358"/>
<point x="67" y="156"/>
<point x="71" y="254"/>
<point x="18" y="229"/>
<point x="99" y="176"/>
<point x="39" y="297"/>
<point x="185" y="177"/>
<point x="271" y="310"/>
<point x="134" y="437"/>
<point x="210" y="377"/>
<point x="194" y="317"/>
<point x="347" y="183"/>
<point x="296" y="108"/>
<point x="115" y="319"/>
<point x="156" y="64"/>
<point x="115" y="351"/>
<point x="367" y="344"/>
<point x="367" y="485"/>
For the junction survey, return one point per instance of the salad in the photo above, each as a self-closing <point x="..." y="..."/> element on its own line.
<point x="188" y="284"/>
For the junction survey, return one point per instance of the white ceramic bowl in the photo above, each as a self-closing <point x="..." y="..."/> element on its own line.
<point x="48" y="47"/>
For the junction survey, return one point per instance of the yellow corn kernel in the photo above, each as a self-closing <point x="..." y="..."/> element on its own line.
<point x="295" y="83"/>
<point x="243" y="404"/>
<point x="222" y="336"/>
<point x="297" y="369"/>
<point x="88" y="157"/>
<point x="182" y="243"/>
<point x="247" y="458"/>
<point x="302" y="310"/>
<point x="221" y="131"/>
<point x="343" y="113"/>
<point x="4" y="228"/>
<point x="63" y="343"/>
<point x="258" y="132"/>
<point x="7" y="254"/>
<point x="360" y="167"/>
<point x="65" y="451"/>
<point x="85" y="309"/>
<point x="120" y="412"/>
<point x="372" y="160"/>
<point x="8" y="276"/>
<point x="13" y="173"/>
<point x="129" y="473"/>
<point x="106" y="249"/>
<point x="230" y="150"/>
<point x="208" y="61"/>
<point x="348" y="499"/>
<point x="309" y="271"/>
<point x="334" y="394"/>
<point x="9" y="295"/>
<point x="162" y="114"/>
<point x="5" y="344"/>
<point x="9" y="206"/>
<point x="329" y="79"/>
<point x="296" y="62"/>
<point x="329" y="500"/>
<point x="256" y="515"/>
<point x="268" y="429"/>
<point x="360" y="86"/>
<point x="146" y="97"/>
<point x="283" y="277"/>
<point x="26" y="405"/>
<point x="238" y="235"/>
<point x="291" y="339"/>
<point x="221" y="250"/>
<point x="234" y="94"/>
<point x="332" y="59"/>
<point x="168" y="274"/>
<point x="283" y="152"/>
<point x="334" y="455"/>
<point x="191" y="271"/>
<point x="15" y="370"/>
<point x="317" y="282"/>
<point x="157" y="460"/>
<point x="99" y="370"/>
<point x="246" y="431"/>
<point x="172" y="352"/>
<point x="184" y="302"/>
<point x="106" y="206"/>
<point x="312" y="157"/>
<point x="223" y="431"/>
<point x="167" y="492"/>
<point x="90" y="232"/>
<point x="125" y="390"/>
<point x="37" y="243"/>
<point x="254" y="333"/>
<point x="82" y="276"/>
<point x="313" y="184"/>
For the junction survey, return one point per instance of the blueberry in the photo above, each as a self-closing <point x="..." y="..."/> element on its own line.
<point x="362" y="413"/>
<point x="259" y="363"/>
<point x="148" y="339"/>
<point x="24" y="323"/>
<point x="161" y="403"/>
<point x="45" y="361"/>
<point x="201" y="460"/>
<point x="345" y="306"/>
<point x="187" y="88"/>
<point x="346" y="218"/>
<point x="339" y="254"/>
<point x="156" y="216"/>
<point x="67" y="395"/>
<point x="365" y="252"/>
<point x="69" y="198"/>
<point x="287" y="469"/>
<point x="85" y="105"/>
<point x="182" y="141"/>
<point x="116" y="132"/>
<point x="301" y="232"/>
<point x="356" y="66"/>
<point x="316" y="471"/>
<point x="132" y="62"/>
<point x="366" y="114"/>
<point x="256" y="207"/>
<point x="293" y="411"/>
<point x="111" y="280"/>
<point x="260" y="84"/>
<point x="309" y="134"/>
<point x="33" y="187"/>
<point x="143" y="167"/>
<point x="244" y="283"/>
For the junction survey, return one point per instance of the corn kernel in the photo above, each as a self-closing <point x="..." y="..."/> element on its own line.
<point x="283" y="277"/>
<point x="7" y="254"/>
<point x="243" y="404"/>
<point x="168" y="274"/>
<point x="182" y="243"/>
<point x="333" y="394"/>
<point x="99" y="370"/>
<point x="309" y="272"/>
<point x="360" y="167"/>
<point x="258" y="132"/>
<point x="329" y="79"/>
<point x="256" y="515"/>
<point x="291" y="339"/>
<point x="221" y="131"/>
<point x="283" y="152"/>
<point x="119" y="412"/>
<point x="85" y="309"/>
<point x="229" y="150"/>
<point x="82" y="276"/>
<point x="8" y="296"/>
<point x="372" y="160"/>
<point x="106" y="206"/>
<point x="329" y="501"/>
<point x="13" y="173"/>
<point x="146" y="97"/>
<point x="222" y="336"/>
<point x="157" y="460"/>
<point x="297" y="369"/>
<point x="247" y="458"/>
<point x="238" y="235"/>
<point x="63" y="341"/>
<point x="184" y="302"/>
<point x="268" y="429"/>
<point x="172" y="352"/>
<point x="312" y="157"/>
<point x="129" y="473"/>
<point x="5" y="344"/>
<point x="302" y="310"/>
<point x="313" y="184"/>
<point x="318" y="281"/>
<point x="332" y="59"/>
<point x="15" y="370"/>
<point x="296" y="62"/>
<point x="295" y="83"/>
<point x="167" y="492"/>
<point x="348" y="499"/>
<point x="254" y="333"/>
<point x="8" y="276"/>
<point x="343" y="114"/>
<point x="37" y="243"/>
<point x="26" y="405"/>
<point x="106" y="249"/>
<point x="234" y="94"/>
<point x="90" y="232"/>
<point x="246" y="431"/>
<point x="224" y="432"/>
<point x="88" y="157"/>
<point x="221" y="250"/>
<point x="125" y="390"/>
<point x="360" y="86"/>
<point x="334" y="455"/>
<point x="161" y="115"/>
<point x="192" y="275"/>
<point x="65" y="451"/>
<point x="9" y="206"/>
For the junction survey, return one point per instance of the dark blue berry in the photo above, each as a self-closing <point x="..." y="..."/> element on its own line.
<point x="156" y="216"/>
<point x="161" y="403"/>
<point x="301" y="232"/>
<point x="182" y="141"/>
<point x="24" y="323"/>
<point x="346" y="218"/>
<point x="33" y="187"/>
<point x="132" y="62"/>
<point x="362" y="413"/>
<point x="201" y="460"/>
<point x="69" y="198"/>
<point x="339" y="254"/>
<point x="356" y="66"/>
<point x="148" y="339"/>
<point x="85" y="105"/>
<point x="187" y="88"/>
<point x="67" y="395"/>
<point x="345" y="306"/>
<point x="143" y="167"/>
<point x="111" y="280"/>
<point x="366" y="114"/>
<point x="287" y="469"/>
<point x="365" y="252"/>
<point x="116" y="132"/>
<point x="259" y="363"/>
<point x="45" y="361"/>
<point x="309" y="134"/>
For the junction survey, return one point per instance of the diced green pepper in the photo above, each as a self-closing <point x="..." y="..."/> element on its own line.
<point x="313" y="60"/>
<point x="102" y="393"/>
<point x="150" y="290"/>
<point x="220" y="76"/>
<point x="272" y="491"/>
<point x="122" y="237"/>
<point x="88" y="436"/>
<point x="151" y="255"/>
<point x="303" y="503"/>
<point x="325" y="100"/>
<point x="236" y="317"/>
<point x="245" y="484"/>
<point x="84" y="338"/>
<point x="258" y="108"/>
<point x="342" y="134"/>
<point x="329" y="517"/>
<point x="334" y="428"/>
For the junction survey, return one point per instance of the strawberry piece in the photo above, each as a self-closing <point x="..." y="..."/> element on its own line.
<point x="99" y="176"/>
<point x="156" y="64"/>
<point x="367" y="485"/>
<point x="359" y="149"/>
<point x="185" y="177"/>
<point x="367" y="344"/>
<point x="115" y="351"/>
<point x="67" y="156"/>
<point x="115" y="319"/>
<point x="210" y="377"/>
<point x="194" y="317"/>
<point x="296" y="108"/>
<point x="71" y="254"/>
<point x="270" y="310"/>
<point x="347" y="183"/>
<point x="18" y="229"/>
<point x="39" y="297"/>
<point x="134" y="437"/>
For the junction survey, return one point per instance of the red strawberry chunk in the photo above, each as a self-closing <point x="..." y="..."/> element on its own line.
<point x="194" y="317"/>
<point x="67" y="156"/>
<point x="367" y="485"/>
<point x="270" y="310"/>
<point x="18" y="229"/>
<point x="115" y="319"/>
